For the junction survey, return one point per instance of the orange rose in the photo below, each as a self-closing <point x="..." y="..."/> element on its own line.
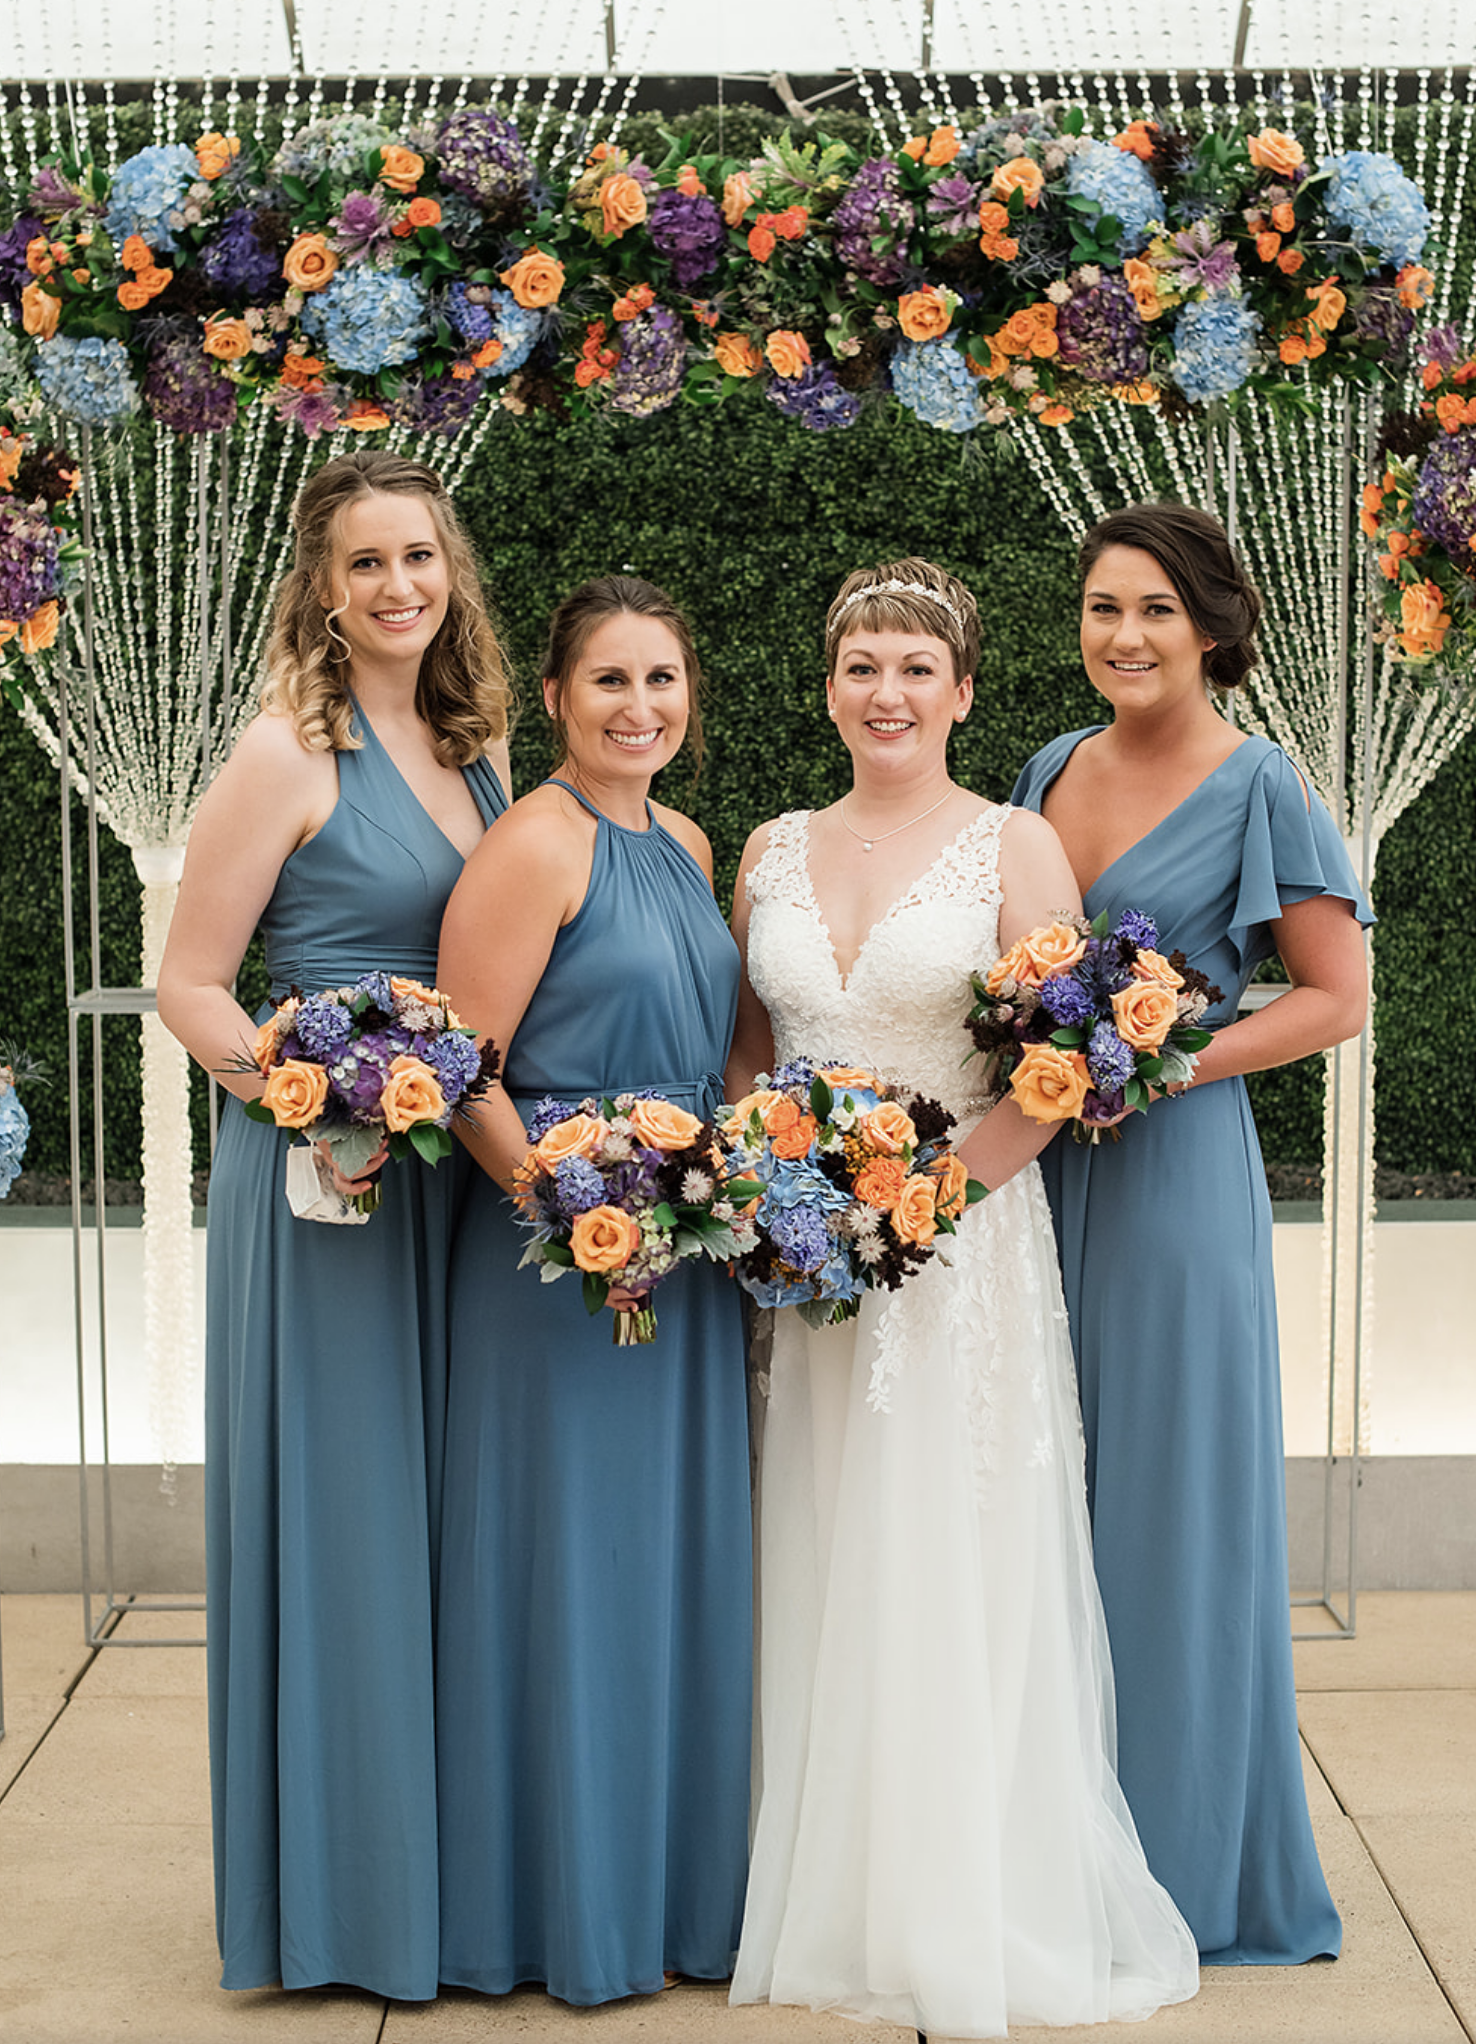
<point x="841" y="1078"/>
<point x="227" y="339"/>
<point x="788" y="353"/>
<point x="1290" y="261"/>
<point x="1267" y="246"/>
<point x="1292" y="350"/>
<point x="888" y="1128"/>
<point x="38" y="257"/>
<point x="294" y="1093"/>
<point x="535" y="279"/>
<point x="1015" y="964"/>
<point x="1152" y="965"/>
<point x="661" y="1126"/>
<point x="423" y="213"/>
<point x="401" y="169"/>
<point x="604" y="1239"/>
<point x="924" y="315"/>
<point x="1424" y="618"/>
<point x="132" y="297"/>
<point x="154" y="280"/>
<point x="689" y="182"/>
<point x="951" y="1196"/>
<point x="364" y="416"/>
<point x="789" y="1129"/>
<point x="1274" y="151"/>
<point x="39" y="311"/>
<point x="1055" y="415"/>
<point x="1142" y="280"/>
<point x="135" y="253"/>
<point x="489" y="352"/>
<point x="622" y="204"/>
<point x="1415" y="285"/>
<point x="1136" y="139"/>
<point x="1283" y="218"/>
<point x="302" y="372"/>
<point x="942" y="147"/>
<point x="264" y="1045"/>
<point x="1329" y="303"/>
<point x="741" y="1111"/>
<point x="1018" y="175"/>
<point x="915" y="1215"/>
<point x="880" y="1183"/>
<point x="1018" y="331"/>
<point x="39" y="632"/>
<point x="580" y="1135"/>
<point x="1144" y="1013"/>
<point x="1050" y="1084"/>
<point x="736" y="355"/>
<point x="215" y="152"/>
<point x="739" y="193"/>
<point x="761" y="241"/>
<point x="1052" y="950"/>
<point x="309" y="264"/>
<point x="914" y="147"/>
<point x="8" y="630"/>
<point x="412" y="1093"/>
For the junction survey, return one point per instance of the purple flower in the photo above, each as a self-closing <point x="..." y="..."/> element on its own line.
<point x="323" y="1029"/>
<point x="14" y="276"/>
<point x="687" y="227"/>
<point x="238" y="263"/>
<point x="578" y="1186"/>
<point x="1067" y="1001"/>
<point x="358" y="1078"/>
<point x="51" y="194"/>
<point x="798" y="1072"/>
<point x="546" y="1115"/>
<point x="801" y="1237"/>
<point x="482" y="156"/>
<point x="1444" y="501"/>
<point x="1383" y="324"/>
<point x="1100" y="331"/>
<point x="953" y="204"/>
<point x="653" y="362"/>
<point x="469" y="311"/>
<point x="28" y="559"/>
<point x="1109" y="1060"/>
<point x="1137" y="928"/>
<point x="1442" y="345"/>
<point x="315" y="411"/>
<point x="815" y="398"/>
<point x="437" y="404"/>
<point x="362" y="226"/>
<point x="1202" y="261"/>
<point x="634" y="1185"/>
<point x="455" y="1060"/>
<point x="874" y="209"/>
<point x="185" y="390"/>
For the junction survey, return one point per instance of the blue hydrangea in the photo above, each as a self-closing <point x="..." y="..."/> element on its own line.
<point x="1109" y="1060"/>
<point x="1137" y="928"/>
<point x="578" y="1186"/>
<point x="15" y="1127"/>
<point x="801" y="1237"/>
<point x="1370" y="197"/>
<point x="838" y="1278"/>
<point x="89" y="380"/>
<point x="1117" y="183"/>
<point x="369" y="319"/>
<point x="323" y="1028"/>
<point x="781" y="1289"/>
<point x="546" y="1115"/>
<point x="794" y="1182"/>
<point x="146" y="190"/>
<point x="455" y="1060"/>
<point x="1067" y="1002"/>
<point x="1214" y="347"/>
<point x="932" y="380"/>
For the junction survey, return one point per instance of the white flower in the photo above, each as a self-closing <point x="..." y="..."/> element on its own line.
<point x="869" y="1248"/>
<point x="1059" y="293"/>
<point x="696" y="1187"/>
<point x="1090" y="274"/>
<point x="1023" y="377"/>
<point x="616" y="1149"/>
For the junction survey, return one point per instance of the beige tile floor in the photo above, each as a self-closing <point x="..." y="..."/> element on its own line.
<point x="105" y="1910"/>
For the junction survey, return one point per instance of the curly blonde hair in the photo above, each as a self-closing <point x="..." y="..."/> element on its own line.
<point x="931" y="602"/>
<point x="463" y="690"/>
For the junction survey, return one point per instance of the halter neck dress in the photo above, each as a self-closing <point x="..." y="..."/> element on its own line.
<point x="595" y="1611"/>
<point x="325" y="1425"/>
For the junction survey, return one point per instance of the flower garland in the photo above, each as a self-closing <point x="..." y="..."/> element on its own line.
<point x="40" y="544"/>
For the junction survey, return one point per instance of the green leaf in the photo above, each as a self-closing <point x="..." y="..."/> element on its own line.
<point x="559" y="1253"/>
<point x="296" y="190"/>
<point x="664" y="1216"/>
<point x="1101" y="924"/>
<point x="431" y="1142"/>
<point x="821" y="1099"/>
<point x="974" y="1191"/>
<point x="256" y="1112"/>
<point x="596" y="1291"/>
<point x="1068" y="1039"/>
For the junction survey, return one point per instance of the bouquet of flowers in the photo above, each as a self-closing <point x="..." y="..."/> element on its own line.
<point x="622" y="1190"/>
<point x="855" y="1184"/>
<point x="356" y="1066"/>
<point x="1083" y="1020"/>
<point x="16" y="1070"/>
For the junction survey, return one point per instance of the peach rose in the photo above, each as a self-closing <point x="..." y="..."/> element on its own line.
<point x="604" y="1239"/>
<point x="1424" y="619"/>
<point x="742" y="1110"/>
<point x="1053" y="949"/>
<point x="39" y="631"/>
<point x="888" y="1128"/>
<point x="39" y="259"/>
<point x="661" y="1126"/>
<point x="264" y="1045"/>
<point x="39" y="311"/>
<point x="1279" y="153"/>
<point x="1152" y="965"/>
<point x="736" y="355"/>
<point x="412" y="1093"/>
<point x="1144" y="1013"/>
<point x="951" y="1196"/>
<point x="943" y="146"/>
<point x="294" y="1093"/>
<point x="842" y="1078"/>
<point x="580" y="1135"/>
<point x="739" y="193"/>
<point x="880" y="1183"/>
<point x="1329" y="303"/>
<point x="401" y="169"/>
<point x="1015" y="964"/>
<point x="788" y="353"/>
<point x="915" y="1215"/>
<point x="622" y="204"/>
<point x="689" y="182"/>
<point x="215" y="152"/>
<point x="227" y="339"/>
<point x="423" y="213"/>
<point x="309" y="264"/>
<point x="924" y="315"/>
<point x="1142" y="280"/>
<point x="1050" y="1084"/>
<point x="789" y="1129"/>
<point x="535" y="279"/>
<point x="135" y="253"/>
<point x="1018" y="175"/>
<point x="413" y="990"/>
<point x="1415" y="285"/>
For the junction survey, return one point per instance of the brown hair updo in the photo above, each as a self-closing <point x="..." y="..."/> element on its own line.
<point x="587" y="607"/>
<point x="1194" y="551"/>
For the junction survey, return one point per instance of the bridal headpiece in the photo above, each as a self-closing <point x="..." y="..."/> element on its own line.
<point x="900" y="589"/>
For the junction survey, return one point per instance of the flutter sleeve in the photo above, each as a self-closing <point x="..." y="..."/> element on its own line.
<point x="1291" y="852"/>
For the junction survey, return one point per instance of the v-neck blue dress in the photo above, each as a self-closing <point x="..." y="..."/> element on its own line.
<point x="325" y="1427"/>
<point x="596" y="1606"/>
<point x="1165" y="1241"/>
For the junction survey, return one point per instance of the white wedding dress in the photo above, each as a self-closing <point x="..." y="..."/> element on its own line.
<point x="940" y="1840"/>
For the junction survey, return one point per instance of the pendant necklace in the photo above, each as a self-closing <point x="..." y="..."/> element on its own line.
<point x="880" y="837"/>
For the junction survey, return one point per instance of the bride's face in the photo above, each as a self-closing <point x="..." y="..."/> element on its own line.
<point x="895" y="698"/>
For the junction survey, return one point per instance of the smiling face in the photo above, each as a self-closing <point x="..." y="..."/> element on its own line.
<point x="895" y="698"/>
<point x="389" y="583"/>
<point x="625" y="701"/>
<point x="1141" y="648"/>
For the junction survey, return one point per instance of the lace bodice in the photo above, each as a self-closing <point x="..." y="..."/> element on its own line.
<point x="901" y="1009"/>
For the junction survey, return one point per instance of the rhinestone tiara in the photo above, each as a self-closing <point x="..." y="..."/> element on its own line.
<point x="900" y="589"/>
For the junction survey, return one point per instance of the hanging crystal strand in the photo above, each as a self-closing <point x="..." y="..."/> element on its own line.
<point x="9" y="163"/>
<point x="1043" y="459"/>
<point x="563" y="141"/>
<point x="472" y="44"/>
<point x="53" y="117"/>
<point x="294" y="460"/>
<point x="549" y="102"/>
<point x="110" y="103"/>
<point x="1127" y="454"/>
<point x="260" y="117"/>
<point x="314" y="108"/>
<point x="207" y="84"/>
<point x="1458" y="192"/>
<point x="28" y="128"/>
<point x="469" y="441"/>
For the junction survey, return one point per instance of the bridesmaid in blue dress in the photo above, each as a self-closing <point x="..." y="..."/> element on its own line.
<point x="593" y="1680"/>
<point x="339" y="826"/>
<point x="1165" y="1236"/>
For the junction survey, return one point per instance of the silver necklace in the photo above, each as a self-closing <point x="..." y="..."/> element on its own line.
<point x="881" y="836"/>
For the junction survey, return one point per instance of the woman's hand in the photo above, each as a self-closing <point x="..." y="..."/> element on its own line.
<point x="350" y="1187"/>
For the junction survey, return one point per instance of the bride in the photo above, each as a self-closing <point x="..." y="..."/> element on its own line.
<point x="940" y="1839"/>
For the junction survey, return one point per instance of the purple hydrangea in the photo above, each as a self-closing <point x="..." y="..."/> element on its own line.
<point x="1068" y="1003"/>
<point x="653" y="362"/>
<point x="1383" y="324"/>
<point x="482" y="156"/>
<point x="185" y="390"/>
<point x="687" y="227"/>
<point x="546" y="1115"/>
<point x="28" y="559"/>
<point x="1109" y="1060"/>
<point x="874" y="209"/>
<point x="1442" y="345"/>
<point x="437" y="404"/>
<point x="801" y="1237"/>
<point x="1100" y="332"/>
<point x="322" y="1028"/>
<point x="1444" y="502"/>
<point x="237" y="263"/>
<point x="1138" y="928"/>
<point x="359" y="1076"/>
<point x="14" y="276"/>
<point x="578" y="1186"/>
<point x="455" y="1060"/>
<point x="815" y="398"/>
<point x="469" y="311"/>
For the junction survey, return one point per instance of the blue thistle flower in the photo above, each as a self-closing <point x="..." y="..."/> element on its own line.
<point x="323" y="1028"/>
<point x="455" y="1060"/>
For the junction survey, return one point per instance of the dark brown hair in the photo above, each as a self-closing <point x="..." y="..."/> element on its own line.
<point x="589" y="606"/>
<point x="463" y="688"/>
<point x="1194" y="551"/>
<point x="935" y="604"/>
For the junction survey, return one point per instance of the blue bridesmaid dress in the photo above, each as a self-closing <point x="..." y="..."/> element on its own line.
<point x="325" y="1429"/>
<point x="1165" y="1242"/>
<point x="593" y="1680"/>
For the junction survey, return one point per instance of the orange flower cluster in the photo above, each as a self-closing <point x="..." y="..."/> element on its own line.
<point x="1268" y="233"/>
<point x="37" y="633"/>
<point x="933" y="150"/>
<point x="419" y="213"/>
<point x="596" y="358"/>
<point x="215" y="153"/>
<point x="634" y="302"/>
<point x="1030" y="332"/>
<point x="770" y="228"/>
<point x="301" y="371"/>
<point x="1415" y="285"/>
<point x="996" y="244"/>
<point x="147" y="278"/>
<point x="1303" y="340"/>
<point x="1138" y="138"/>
